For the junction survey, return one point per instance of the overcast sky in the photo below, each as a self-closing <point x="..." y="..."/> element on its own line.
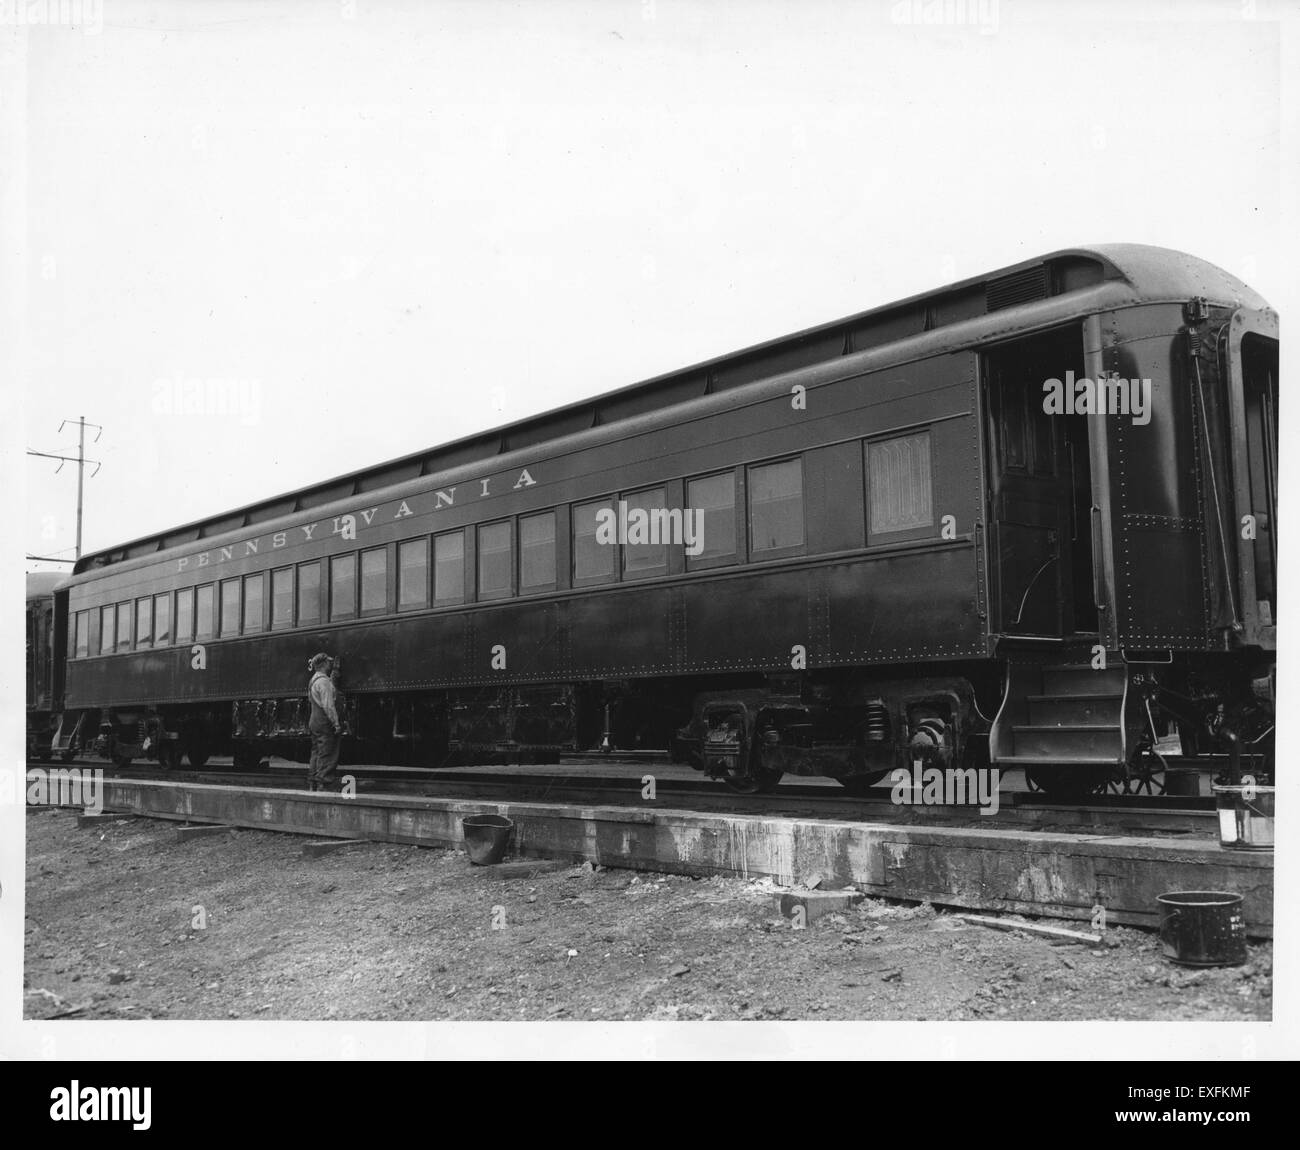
<point x="370" y="228"/>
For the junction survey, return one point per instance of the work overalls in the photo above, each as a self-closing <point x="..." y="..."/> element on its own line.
<point x="324" y="741"/>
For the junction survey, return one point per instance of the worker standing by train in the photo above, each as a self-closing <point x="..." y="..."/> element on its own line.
<point x="324" y="724"/>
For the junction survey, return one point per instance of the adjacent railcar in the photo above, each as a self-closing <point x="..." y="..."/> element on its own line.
<point x="44" y="663"/>
<point x="1027" y="520"/>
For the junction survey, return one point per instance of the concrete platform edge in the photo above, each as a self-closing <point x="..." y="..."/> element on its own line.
<point x="1051" y="874"/>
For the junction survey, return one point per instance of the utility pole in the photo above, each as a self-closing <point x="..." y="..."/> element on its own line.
<point x="81" y="462"/>
<point x="81" y="474"/>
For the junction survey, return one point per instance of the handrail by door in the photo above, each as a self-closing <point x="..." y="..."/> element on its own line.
<point x="1033" y="579"/>
<point x="1095" y="523"/>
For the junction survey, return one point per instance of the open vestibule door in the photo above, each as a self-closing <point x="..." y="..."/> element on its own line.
<point x="1040" y="491"/>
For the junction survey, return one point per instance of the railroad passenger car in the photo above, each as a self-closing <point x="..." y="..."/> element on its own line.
<point x="920" y="542"/>
<point x="44" y="663"/>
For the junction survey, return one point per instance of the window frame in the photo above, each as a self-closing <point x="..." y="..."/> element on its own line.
<point x="512" y="588"/>
<point x="120" y="647"/>
<point x="538" y="588"/>
<point x="427" y="600"/>
<point x="237" y="582"/>
<point x="191" y="597"/>
<point x="771" y="553"/>
<point x="364" y="612"/>
<point x="299" y="598"/>
<point x="108" y="634"/>
<point x="164" y="597"/>
<point x="143" y="641"/>
<point x="260" y="577"/>
<point x="356" y="587"/>
<point x="288" y="625"/>
<point x="211" y="589"/>
<point x="616" y="549"/>
<point x="462" y="598"/>
<point x="627" y="575"/>
<point x="905" y="534"/>
<point x="80" y="624"/>
<point x="701" y="562"/>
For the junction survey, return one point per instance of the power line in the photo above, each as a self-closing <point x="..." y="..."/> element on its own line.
<point x="66" y="459"/>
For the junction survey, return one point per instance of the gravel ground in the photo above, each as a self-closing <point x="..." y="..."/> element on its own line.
<point x="124" y="921"/>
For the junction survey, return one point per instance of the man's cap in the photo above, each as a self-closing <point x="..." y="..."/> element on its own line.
<point x="317" y="660"/>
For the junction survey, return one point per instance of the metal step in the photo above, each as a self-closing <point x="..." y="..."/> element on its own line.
<point x="1058" y="710"/>
<point x="1068" y="742"/>
<point x="1081" y="679"/>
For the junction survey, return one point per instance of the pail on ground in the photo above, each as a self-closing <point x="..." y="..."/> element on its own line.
<point x="1202" y="928"/>
<point x="486" y="837"/>
<point x="1246" y="816"/>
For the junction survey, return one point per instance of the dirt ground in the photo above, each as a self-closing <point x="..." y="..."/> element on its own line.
<point x="124" y="921"/>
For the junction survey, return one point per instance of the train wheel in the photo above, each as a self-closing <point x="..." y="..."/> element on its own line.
<point x="1146" y="772"/>
<point x="169" y="755"/>
<point x="1071" y="783"/>
<point x="121" y="760"/>
<point x="68" y="755"/>
<point x="197" y="753"/>
<point x="860" y="786"/>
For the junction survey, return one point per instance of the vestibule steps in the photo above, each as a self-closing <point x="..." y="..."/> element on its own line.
<point x="1063" y="714"/>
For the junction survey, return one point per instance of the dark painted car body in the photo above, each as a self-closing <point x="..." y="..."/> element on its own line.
<point x="1020" y="538"/>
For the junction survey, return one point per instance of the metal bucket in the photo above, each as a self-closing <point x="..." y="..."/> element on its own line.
<point x="1202" y="928"/>
<point x="1246" y="817"/>
<point x="486" y="837"/>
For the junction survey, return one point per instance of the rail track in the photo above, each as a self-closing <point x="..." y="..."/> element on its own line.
<point x="1106" y="814"/>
